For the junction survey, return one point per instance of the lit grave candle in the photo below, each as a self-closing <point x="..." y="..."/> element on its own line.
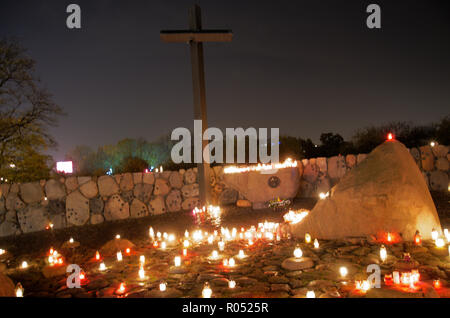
<point x="24" y="265"/>
<point x="2" y="251"/>
<point x="151" y="233"/>
<point x="186" y="234"/>
<point x="71" y="240"/>
<point x="214" y="254"/>
<point x="437" y="284"/>
<point x="396" y="277"/>
<point x="158" y="235"/>
<point x="221" y="245"/>
<point x="310" y="294"/>
<point x="383" y="253"/>
<point x="241" y="254"/>
<point x="363" y="285"/>
<point x="102" y="267"/>
<point x="186" y="243"/>
<point x="121" y="288"/>
<point x="117" y="236"/>
<point x="163" y="245"/>
<point x="225" y="262"/>
<point x="316" y="243"/>
<point x="231" y="284"/>
<point x="343" y="271"/>
<point x="19" y="290"/>
<point x="128" y="251"/>
<point x="165" y="235"/>
<point x="298" y="252"/>
<point x="141" y="272"/>
<point x="97" y="255"/>
<point x="417" y="238"/>
<point x="440" y="242"/>
<point x="162" y="286"/>
<point x="142" y="259"/>
<point x="307" y="238"/>
<point x="171" y="238"/>
<point x="177" y="261"/>
<point x="434" y="234"/>
<point x="206" y="292"/>
<point x="231" y="262"/>
<point x="210" y="239"/>
<point x="119" y="256"/>
<point x="184" y="251"/>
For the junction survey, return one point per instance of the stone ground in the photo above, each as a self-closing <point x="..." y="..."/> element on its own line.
<point x="260" y="274"/>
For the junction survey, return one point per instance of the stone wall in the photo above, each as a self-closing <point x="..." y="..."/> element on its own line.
<point x="76" y="201"/>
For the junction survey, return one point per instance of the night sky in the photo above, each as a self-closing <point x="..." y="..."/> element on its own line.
<point x="306" y="67"/>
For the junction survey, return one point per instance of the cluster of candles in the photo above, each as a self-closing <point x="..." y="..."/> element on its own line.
<point x="294" y="217"/>
<point x="404" y="278"/>
<point x="288" y="163"/>
<point x="54" y="258"/>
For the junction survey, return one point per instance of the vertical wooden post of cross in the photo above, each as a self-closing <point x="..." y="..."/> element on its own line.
<point x="195" y="36"/>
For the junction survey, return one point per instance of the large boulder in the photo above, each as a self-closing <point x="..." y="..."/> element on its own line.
<point x="89" y="189"/>
<point x="7" y="288"/>
<point x="260" y="187"/>
<point x="384" y="193"/>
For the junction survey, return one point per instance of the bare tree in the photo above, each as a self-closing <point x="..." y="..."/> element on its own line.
<point x="26" y="109"/>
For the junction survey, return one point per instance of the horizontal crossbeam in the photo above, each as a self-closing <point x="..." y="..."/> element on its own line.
<point x="186" y="36"/>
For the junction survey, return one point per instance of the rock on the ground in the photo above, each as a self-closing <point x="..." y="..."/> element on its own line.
<point x="77" y="208"/>
<point x="384" y="193"/>
<point x="116" y="208"/>
<point x="296" y="264"/>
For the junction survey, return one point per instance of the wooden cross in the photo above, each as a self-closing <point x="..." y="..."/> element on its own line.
<point x="195" y="37"/>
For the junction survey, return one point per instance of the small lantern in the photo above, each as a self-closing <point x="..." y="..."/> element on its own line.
<point x="310" y="294"/>
<point x="434" y="234"/>
<point x="19" y="290"/>
<point x="307" y="238"/>
<point x="417" y="238"/>
<point x="316" y="243"/>
<point x="102" y="267"/>
<point x="177" y="261"/>
<point x="383" y="253"/>
<point x="241" y="254"/>
<point x="298" y="252"/>
<point x="343" y="271"/>
<point x="162" y="286"/>
<point x="231" y="284"/>
<point x="206" y="292"/>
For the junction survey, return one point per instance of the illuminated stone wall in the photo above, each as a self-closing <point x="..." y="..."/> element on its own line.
<point x="77" y="201"/>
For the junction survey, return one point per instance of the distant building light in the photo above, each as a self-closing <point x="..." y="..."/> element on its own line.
<point x="64" y="166"/>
